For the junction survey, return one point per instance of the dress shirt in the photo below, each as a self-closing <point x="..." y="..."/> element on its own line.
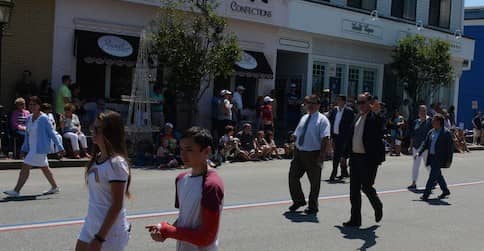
<point x="337" y="119"/>
<point x="358" y="146"/>
<point x="318" y="128"/>
<point x="434" y="137"/>
<point x="238" y="101"/>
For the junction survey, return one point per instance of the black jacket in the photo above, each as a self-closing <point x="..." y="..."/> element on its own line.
<point x="444" y="148"/>
<point x="372" y="139"/>
<point x="346" y="120"/>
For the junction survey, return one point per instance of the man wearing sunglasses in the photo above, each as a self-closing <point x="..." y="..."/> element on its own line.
<point x="367" y="152"/>
<point x="312" y="140"/>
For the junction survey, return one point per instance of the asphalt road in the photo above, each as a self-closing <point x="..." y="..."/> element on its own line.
<point x="256" y="197"/>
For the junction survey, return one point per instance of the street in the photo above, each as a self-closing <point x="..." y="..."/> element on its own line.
<point x="255" y="217"/>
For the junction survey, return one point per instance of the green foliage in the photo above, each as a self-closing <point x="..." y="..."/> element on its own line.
<point x="190" y="39"/>
<point x="422" y="62"/>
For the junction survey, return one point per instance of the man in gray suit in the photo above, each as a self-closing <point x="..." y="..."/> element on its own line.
<point x="441" y="149"/>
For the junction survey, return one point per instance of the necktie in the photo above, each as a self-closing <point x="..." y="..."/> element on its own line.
<point x="305" y="128"/>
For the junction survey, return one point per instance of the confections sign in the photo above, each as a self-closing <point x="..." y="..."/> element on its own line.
<point x="247" y="62"/>
<point x="362" y="28"/>
<point x="253" y="8"/>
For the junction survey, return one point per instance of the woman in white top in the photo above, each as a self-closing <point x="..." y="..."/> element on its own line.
<point x="108" y="178"/>
<point x="47" y="109"/>
<point x="71" y="129"/>
<point x="39" y="134"/>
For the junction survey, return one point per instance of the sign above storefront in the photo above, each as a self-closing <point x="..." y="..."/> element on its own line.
<point x="115" y="46"/>
<point x="258" y="8"/>
<point x="247" y="62"/>
<point x="362" y="28"/>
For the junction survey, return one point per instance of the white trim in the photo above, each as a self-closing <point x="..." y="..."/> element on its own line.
<point x="107" y="27"/>
<point x="317" y="57"/>
<point x="473" y="22"/>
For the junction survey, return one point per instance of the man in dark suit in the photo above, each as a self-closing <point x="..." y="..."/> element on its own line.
<point x="441" y="149"/>
<point x="341" y="118"/>
<point x="367" y="152"/>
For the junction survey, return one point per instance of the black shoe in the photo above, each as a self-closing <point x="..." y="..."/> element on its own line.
<point x="296" y="206"/>
<point x="444" y="195"/>
<point x="424" y="197"/>
<point x="310" y="211"/>
<point x="351" y="223"/>
<point x="378" y="214"/>
<point x="411" y="187"/>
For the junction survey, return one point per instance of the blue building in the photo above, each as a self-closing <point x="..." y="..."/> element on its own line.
<point x="471" y="89"/>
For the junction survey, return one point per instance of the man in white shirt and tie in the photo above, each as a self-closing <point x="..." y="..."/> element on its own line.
<point x="312" y="140"/>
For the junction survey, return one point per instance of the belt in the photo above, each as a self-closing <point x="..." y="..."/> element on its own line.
<point x="308" y="151"/>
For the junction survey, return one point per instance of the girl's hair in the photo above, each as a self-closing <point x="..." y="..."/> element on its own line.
<point x="112" y="130"/>
<point x="19" y="101"/>
<point x="35" y="99"/>
<point x="69" y="107"/>
<point x="268" y="135"/>
<point x="260" y="133"/>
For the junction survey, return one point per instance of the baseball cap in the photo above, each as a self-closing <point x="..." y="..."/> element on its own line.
<point x="240" y="88"/>
<point x="170" y="125"/>
<point x="268" y="99"/>
<point x="225" y="92"/>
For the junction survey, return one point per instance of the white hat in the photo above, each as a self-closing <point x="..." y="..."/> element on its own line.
<point x="169" y="125"/>
<point x="268" y="99"/>
<point x="240" y="87"/>
<point x="293" y="85"/>
<point x="225" y="92"/>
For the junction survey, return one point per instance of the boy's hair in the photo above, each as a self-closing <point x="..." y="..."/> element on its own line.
<point x="45" y="107"/>
<point x="229" y="128"/>
<point x="200" y="136"/>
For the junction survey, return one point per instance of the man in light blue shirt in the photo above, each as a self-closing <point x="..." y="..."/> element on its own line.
<point x="312" y="139"/>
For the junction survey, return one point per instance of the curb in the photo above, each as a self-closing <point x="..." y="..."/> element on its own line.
<point x="9" y="164"/>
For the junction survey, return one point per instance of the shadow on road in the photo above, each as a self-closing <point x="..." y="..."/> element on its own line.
<point x="24" y="198"/>
<point x="335" y="181"/>
<point x="299" y="217"/>
<point x="368" y="235"/>
<point x="436" y="202"/>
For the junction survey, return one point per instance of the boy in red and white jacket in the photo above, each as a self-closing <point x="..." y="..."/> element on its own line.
<point x="199" y="197"/>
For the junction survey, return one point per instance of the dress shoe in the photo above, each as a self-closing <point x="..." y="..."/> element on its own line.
<point x="424" y="197"/>
<point x="310" y="211"/>
<point x="351" y="224"/>
<point x="444" y="195"/>
<point x="296" y="206"/>
<point x="412" y="187"/>
<point x="378" y="214"/>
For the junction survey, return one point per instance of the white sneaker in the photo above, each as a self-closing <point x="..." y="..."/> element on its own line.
<point x="12" y="193"/>
<point x="51" y="191"/>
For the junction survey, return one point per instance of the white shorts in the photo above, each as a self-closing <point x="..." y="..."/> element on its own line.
<point x="116" y="240"/>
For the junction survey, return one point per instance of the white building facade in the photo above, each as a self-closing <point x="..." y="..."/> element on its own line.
<point x="341" y="45"/>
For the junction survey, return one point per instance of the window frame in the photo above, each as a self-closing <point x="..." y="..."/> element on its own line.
<point x="359" y="5"/>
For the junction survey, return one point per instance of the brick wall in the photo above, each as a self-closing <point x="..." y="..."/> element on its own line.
<point x="27" y="45"/>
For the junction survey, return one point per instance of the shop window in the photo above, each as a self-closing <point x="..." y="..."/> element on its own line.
<point x="121" y="81"/>
<point x="353" y="81"/>
<point x="439" y="13"/>
<point x="319" y="70"/>
<point x="91" y="78"/>
<point x="405" y="9"/>
<point x="362" y="4"/>
<point x="369" y="80"/>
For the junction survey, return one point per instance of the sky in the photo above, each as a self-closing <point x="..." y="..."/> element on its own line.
<point x="474" y="3"/>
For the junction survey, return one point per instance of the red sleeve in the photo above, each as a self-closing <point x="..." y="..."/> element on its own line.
<point x="202" y="236"/>
<point x="213" y="192"/>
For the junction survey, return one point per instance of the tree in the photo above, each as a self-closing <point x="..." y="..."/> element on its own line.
<point x="191" y="40"/>
<point x="423" y="63"/>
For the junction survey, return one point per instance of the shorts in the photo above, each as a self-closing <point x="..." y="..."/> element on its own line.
<point x="116" y="240"/>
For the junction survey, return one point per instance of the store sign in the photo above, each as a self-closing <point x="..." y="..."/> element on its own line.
<point x="256" y="8"/>
<point x="247" y="62"/>
<point x="362" y="28"/>
<point x="115" y="46"/>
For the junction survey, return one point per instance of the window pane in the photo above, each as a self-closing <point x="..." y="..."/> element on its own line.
<point x="369" y="79"/>
<point x="353" y="79"/>
<point x="354" y="3"/>
<point x="318" y="77"/>
<point x="368" y="4"/>
<point x="444" y="20"/>
<point x="409" y="9"/>
<point x="397" y="8"/>
<point x="434" y="12"/>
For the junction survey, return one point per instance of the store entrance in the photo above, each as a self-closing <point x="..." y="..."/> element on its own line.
<point x="91" y="78"/>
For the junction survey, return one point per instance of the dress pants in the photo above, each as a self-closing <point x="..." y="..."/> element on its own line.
<point x="305" y="162"/>
<point x="338" y="150"/>
<point x="362" y="177"/>
<point x="435" y="177"/>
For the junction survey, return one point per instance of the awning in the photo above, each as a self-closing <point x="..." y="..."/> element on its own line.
<point x="254" y="65"/>
<point x="104" y="48"/>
